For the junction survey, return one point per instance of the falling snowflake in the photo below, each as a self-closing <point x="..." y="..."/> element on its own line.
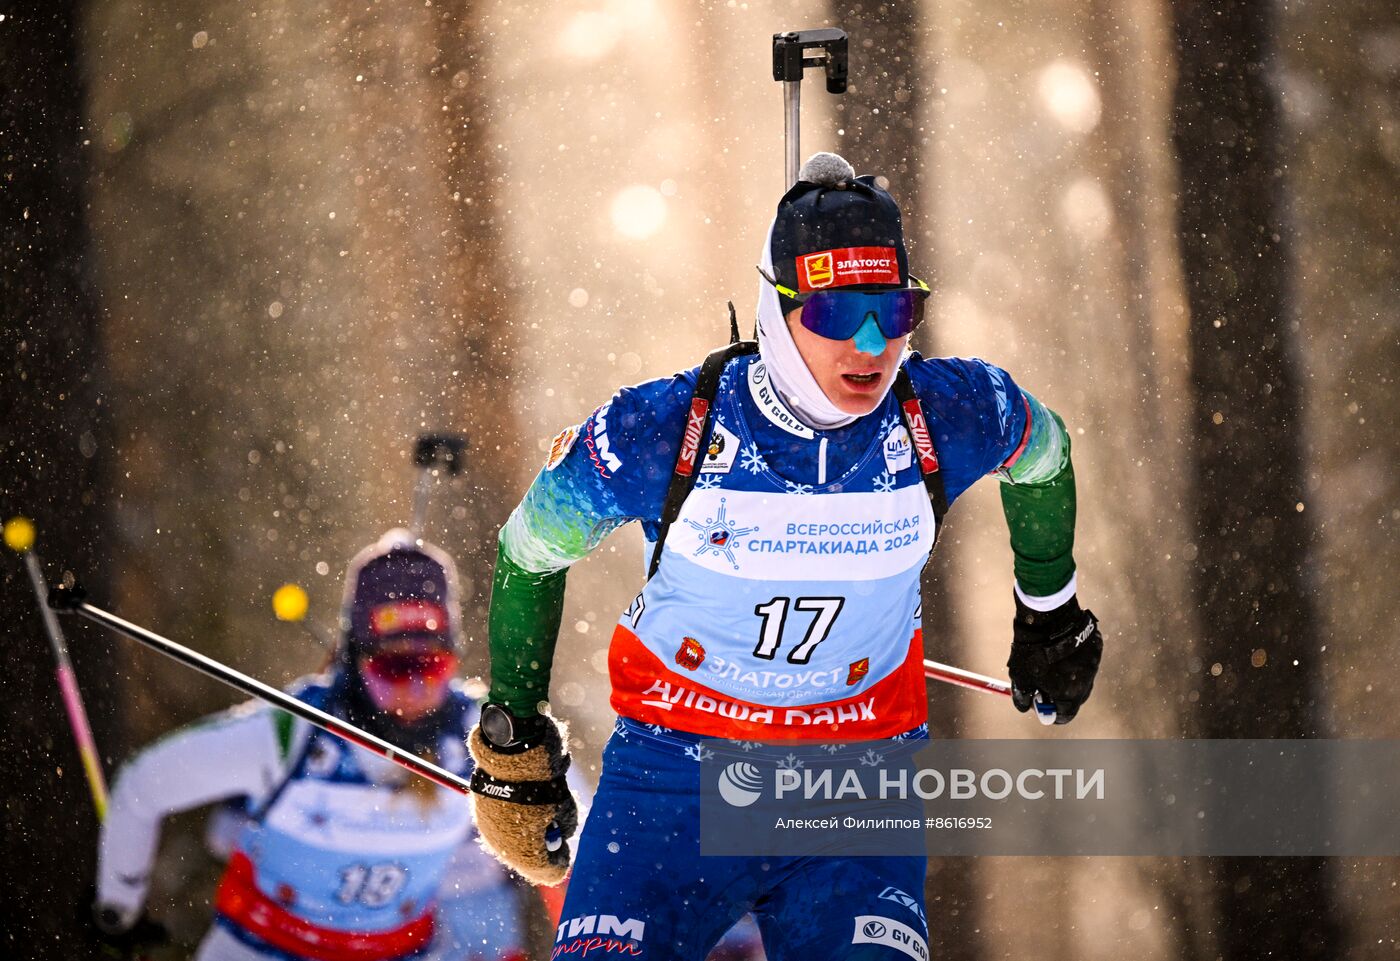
<point x="791" y="763"/>
<point x="751" y="460"/>
<point x="884" y="483"/>
<point x="699" y="752"/>
<point x="707" y="482"/>
<point x="870" y="758"/>
<point x="795" y="488"/>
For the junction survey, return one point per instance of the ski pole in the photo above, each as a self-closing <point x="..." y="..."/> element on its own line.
<point x="19" y="536"/>
<point x="960" y="678"/>
<point x="431" y="452"/>
<point x="73" y="600"/>
<point x="789" y="63"/>
<point x="1044" y="712"/>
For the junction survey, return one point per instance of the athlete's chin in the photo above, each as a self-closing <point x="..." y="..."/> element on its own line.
<point x="859" y="405"/>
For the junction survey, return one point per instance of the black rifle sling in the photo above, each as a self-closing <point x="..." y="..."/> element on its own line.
<point x="689" y="460"/>
<point x="925" y="453"/>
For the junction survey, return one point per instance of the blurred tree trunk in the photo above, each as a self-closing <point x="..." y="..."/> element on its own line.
<point x="50" y="392"/>
<point x="1342" y="77"/>
<point x="884" y="118"/>
<point x="478" y="303"/>
<point x="298" y="233"/>
<point x="1254" y="537"/>
<point x="1130" y="46"/>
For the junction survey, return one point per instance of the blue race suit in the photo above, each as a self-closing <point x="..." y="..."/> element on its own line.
<point x="786" y="607"/>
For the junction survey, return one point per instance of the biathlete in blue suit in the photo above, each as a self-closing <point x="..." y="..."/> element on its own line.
<point x="790" y="495"/>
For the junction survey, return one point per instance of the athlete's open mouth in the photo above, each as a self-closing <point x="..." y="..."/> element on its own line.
<point x="862" y="380"/>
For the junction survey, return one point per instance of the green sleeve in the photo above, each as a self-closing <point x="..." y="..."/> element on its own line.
<point x="526" y="609"/>
<point x="1038" y="500"/>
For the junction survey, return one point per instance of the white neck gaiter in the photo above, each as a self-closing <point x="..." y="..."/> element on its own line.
<point x="794" y="382"/>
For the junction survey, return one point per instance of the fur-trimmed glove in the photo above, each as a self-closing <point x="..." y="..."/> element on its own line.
<point x="520" y="797"/>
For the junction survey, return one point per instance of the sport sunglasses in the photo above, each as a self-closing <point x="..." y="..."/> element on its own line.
<point x="399" y="666"/>
<point x="838" y="314"/>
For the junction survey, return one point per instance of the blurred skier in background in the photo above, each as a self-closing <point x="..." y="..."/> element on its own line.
<point x="334" y="854"/>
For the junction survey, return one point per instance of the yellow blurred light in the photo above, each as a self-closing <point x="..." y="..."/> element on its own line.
<point x="19" y="534"/>
<point x="289" y="603"/>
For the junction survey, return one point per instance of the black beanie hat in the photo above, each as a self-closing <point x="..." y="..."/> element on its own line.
<point x="399" y="588"/>
<point x="836" y="230"/>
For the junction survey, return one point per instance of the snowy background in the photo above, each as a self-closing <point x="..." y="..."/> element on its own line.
<point x="302" y="233"/>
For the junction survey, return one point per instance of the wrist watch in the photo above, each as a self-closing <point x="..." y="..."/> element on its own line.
<point x="503" y="730"/>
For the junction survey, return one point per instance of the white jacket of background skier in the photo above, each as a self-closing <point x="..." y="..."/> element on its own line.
<point x="338" y="859"/>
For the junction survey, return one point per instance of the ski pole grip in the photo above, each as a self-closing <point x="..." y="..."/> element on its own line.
<point x="790" y="60"/>
<point x="66" y="597"/>
<point x="447" y="450"/>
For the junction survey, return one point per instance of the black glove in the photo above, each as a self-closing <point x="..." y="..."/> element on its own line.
<point x="1055" y="653"/>
<point x="521" y="799"/>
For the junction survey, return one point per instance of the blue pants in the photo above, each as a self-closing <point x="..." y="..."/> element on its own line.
<point x="641" y="889"/>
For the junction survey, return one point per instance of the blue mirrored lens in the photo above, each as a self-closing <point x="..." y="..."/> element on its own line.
<point x="838" y="314"/>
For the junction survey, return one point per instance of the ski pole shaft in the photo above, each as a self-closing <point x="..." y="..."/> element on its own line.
<point x="960" y="678"/>
<point x="421" y="491"/>
<point x="789" y="63"/>
<point x="433" y="453"/>
<point x="68" y="687"/>
<point x="1044" y="710"/>
<point x="70" y="599"/>
<point x="792" y="131"/>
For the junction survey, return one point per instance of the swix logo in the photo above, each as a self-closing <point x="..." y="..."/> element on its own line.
<point x="923" y="442"/>
<point x="846" y="266"/>
<point x="502" y="791"/>
<point x="1086" y="633"/>
<point x="816" y="270"/>
<point x="690" y="444"/>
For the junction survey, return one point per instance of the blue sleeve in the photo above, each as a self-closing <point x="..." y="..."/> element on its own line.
<point x="611" y="469"/>
<point x="977" y="413"/>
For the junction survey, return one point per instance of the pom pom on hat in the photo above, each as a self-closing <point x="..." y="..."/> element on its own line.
<point x="831" y="211"/>
<point x="826" y="170"/>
